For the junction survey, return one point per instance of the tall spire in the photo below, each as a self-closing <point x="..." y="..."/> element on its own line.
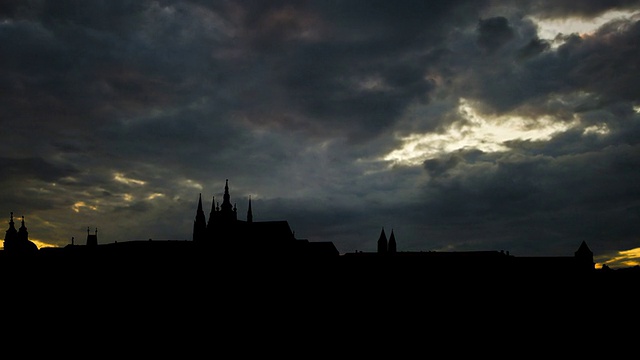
<point x="228" y="213"/>
<point x="212" y="215"/>
<point x="382" y="242"/>
<point x="11" y="234"/>
<point x="23" y="234"/>
<point x="199" y="203"/>
<point x="200" y="223"/>
<point x="226" y="206"/>
<point x="392" y="243"/>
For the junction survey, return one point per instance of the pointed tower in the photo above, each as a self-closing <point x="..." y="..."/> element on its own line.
<point x="11" y="236"/>
<point x="17" y="241"/>
<point x="249" y="212"/>
<point x="212" y="217"/>
<point x="23" y="234"/>
<point x="228" y="213"/>
<point x="382" y="242"/>
<point x="392" y="243"/>
<point x="200" y="223"/>
<point x="584" y="257"/>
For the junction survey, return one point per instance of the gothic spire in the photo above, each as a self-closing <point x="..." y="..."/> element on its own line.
<point x="392" y="243"/>
<point x="382" y="242"/>
<point x="199" y="203"/>
<point x="212" y="214"/>
<point x="226" y="206"/>
<point x="200" y="223"/>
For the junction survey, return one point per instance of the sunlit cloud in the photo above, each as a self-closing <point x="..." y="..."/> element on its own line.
<point x="553" y="29"/>
<point x="81" y="204"/>
<point x="475" y="132"/>
<point x="119" y="177"/>
<point x="625" y="258"/>
<point x="154" y="195"/>
<point x="191" y="184"/>
<point x="601" y="129"/>
<point x="41" y="244"/>
<point x="127" y="197"/>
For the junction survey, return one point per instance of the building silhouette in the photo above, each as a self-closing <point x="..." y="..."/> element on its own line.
<point x="223" y="238"/>
<point x="17" y="241"/>
<point x="224" y="233"/>
<point x="387" y="246"/>
<point x="92" y="239"/>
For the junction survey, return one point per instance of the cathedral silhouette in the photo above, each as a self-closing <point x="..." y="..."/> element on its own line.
<point x="225" y="233"/>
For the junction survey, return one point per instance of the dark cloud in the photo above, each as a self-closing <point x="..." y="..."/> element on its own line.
<point x="33" y="168"/>
<point x="604" y="63"/>
<point x="500" y="197"/>
<point x="533" y="48"/>
<point x="494" y="33"/>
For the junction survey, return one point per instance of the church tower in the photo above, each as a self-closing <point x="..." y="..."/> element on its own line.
<point x="228" y="212"/>
<point x="17" y="241"/>
<point x="584" y="256"/>
<point x="382" y="242"/>
<point x="23" y="234"/>
<point x="92" y="239"/>
<point x="200" y="223"/>
<point x="11" y="235"/>
<point x="392" y="243"/>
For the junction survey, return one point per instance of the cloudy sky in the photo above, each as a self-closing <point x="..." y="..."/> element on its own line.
<point x="459" y="125"/>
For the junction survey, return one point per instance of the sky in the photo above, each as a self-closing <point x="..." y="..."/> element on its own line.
<point x="457" y="125"/>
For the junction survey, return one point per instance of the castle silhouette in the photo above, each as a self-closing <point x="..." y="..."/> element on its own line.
<point x="225" y="233"/>
<point x="224" y="237"/>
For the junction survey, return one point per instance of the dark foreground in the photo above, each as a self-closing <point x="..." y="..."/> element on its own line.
<point x="250" y="306"/>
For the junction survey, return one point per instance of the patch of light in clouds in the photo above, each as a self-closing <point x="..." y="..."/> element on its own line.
<point x="154" y="195"/>
<point x="627" y="258"/>
<point x="191" y="184"/>
<point x="550" y="29"/>
<point x="76" y="207"/>
<point x="119" y="177"/>
<point x="474" y="132"/>
<point x="601" y="129"/>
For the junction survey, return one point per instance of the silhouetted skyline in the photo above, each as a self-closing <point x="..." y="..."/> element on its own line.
<point x="460" y="126"/>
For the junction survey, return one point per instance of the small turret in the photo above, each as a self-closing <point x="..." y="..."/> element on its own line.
<point x="92" y="239"/>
